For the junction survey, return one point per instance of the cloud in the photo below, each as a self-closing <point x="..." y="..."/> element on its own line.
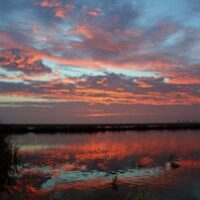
<point x="94" y="13"/>
<point x="60" y="9"/>
<point x="15" y="60"/>
<point x="106" y="90"/>
<point x="42" y="43"/>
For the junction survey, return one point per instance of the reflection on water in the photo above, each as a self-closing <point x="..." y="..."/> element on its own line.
<point x="124" y="165"/>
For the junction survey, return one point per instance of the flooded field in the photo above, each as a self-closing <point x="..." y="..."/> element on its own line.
<point x="154" y="165"/>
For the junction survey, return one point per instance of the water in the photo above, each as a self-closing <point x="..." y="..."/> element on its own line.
<point x="122" y="165"/>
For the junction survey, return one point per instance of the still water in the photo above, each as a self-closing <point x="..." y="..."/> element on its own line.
<point x="109" y="166"/>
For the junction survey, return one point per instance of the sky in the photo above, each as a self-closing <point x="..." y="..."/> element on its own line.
<point x="92" y="61"/>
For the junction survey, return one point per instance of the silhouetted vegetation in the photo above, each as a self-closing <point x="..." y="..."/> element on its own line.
<point x="8" y="162"/>
<point x="92" y="128"/>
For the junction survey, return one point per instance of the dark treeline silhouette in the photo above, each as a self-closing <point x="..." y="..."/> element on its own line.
<point x="90" y="128"/>
<point x="8" y="162"/>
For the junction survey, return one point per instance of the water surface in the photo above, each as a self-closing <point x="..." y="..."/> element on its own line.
<point x="113" y="165"/>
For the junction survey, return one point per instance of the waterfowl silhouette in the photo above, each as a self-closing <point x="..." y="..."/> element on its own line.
<point x="114" y="183"/>
<point x="174" y="162"/>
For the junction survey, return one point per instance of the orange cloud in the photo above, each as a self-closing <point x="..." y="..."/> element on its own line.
<point x="143" y="84"/>
<point x="60" y="10"/>
<point x="106" y="97"/>
<point x="100" y="40"/>
<point x="184" y="80"/>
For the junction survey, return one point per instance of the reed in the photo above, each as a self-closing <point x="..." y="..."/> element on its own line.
<point x="8" y="162"/>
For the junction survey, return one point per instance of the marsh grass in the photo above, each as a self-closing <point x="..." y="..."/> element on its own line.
<point x="8" y="162"/>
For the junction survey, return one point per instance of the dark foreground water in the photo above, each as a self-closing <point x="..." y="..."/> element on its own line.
<point x="109" y="166"/>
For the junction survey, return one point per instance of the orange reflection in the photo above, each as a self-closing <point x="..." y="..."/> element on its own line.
<point x="116" y="146"/>
<point x="89" y="162"/>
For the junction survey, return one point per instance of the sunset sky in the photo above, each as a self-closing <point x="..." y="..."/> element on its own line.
<point x="99" y="61"/>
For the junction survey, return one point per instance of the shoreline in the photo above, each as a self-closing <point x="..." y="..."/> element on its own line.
<point x="92" y="128"/>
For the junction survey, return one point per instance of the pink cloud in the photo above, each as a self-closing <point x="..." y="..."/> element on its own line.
<point x="94" y="13"/>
